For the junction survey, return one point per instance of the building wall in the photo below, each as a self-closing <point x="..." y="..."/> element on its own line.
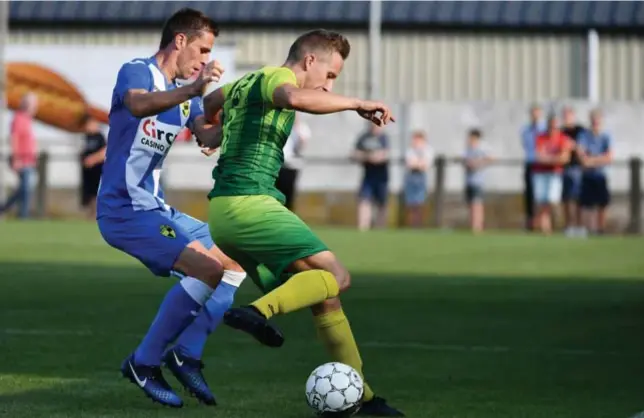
<point x="436" y="66"/>
<point x="622" y="68"/>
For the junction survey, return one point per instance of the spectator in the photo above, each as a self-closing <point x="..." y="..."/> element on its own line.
<point x="476" y="159"/>
<point x="572" y="176"/>
<point x="287" y="179"/>
<point x="552" y="152"/>
<point x="372" y="151"/>
<point x="24" y="155"/>
<point x="528" y="138"/>
<point x="92" y="158"/>
<point x="418" y="159"/>
<point x="595" y="152"/>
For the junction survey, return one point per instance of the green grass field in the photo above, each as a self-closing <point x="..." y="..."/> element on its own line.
<point x="451" y="326"/>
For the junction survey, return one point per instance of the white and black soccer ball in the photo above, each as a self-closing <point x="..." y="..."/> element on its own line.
<point x="334" y="389"/>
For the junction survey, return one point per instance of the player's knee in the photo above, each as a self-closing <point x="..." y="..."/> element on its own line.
<point x="343" y="278"/>
<point x="227" y="262"/>
<point x="208" y="270"/>
<point x="230" y="264"/>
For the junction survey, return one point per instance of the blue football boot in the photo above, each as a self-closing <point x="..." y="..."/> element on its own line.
<point x="151" y="381"/>
<point x="188" y="372"/>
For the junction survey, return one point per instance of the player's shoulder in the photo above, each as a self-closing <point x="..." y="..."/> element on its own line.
<point x="137" y="64"/>
<point x="277" y="72"/>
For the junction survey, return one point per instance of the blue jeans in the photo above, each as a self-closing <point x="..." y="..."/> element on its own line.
<point x="22" y="194"/>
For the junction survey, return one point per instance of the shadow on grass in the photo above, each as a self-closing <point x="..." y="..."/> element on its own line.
<point x="67" y="327"/>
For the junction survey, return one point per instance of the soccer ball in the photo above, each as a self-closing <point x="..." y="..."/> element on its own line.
<point x="334" y="389"/>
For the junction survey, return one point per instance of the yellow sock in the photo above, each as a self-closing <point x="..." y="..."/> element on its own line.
<point x="335" y="332"/>
<point x="300" y="291"/>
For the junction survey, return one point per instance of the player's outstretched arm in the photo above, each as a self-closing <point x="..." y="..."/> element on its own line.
<point x="143" y="103"/>
<point x="319" y="102"/>
<point x="289" y="96"/>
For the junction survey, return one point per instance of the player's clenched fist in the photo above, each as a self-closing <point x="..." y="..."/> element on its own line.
<point x="377" y="112"/>
<point x="211" y="73"/>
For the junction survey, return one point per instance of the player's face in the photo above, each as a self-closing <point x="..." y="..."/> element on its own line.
<point x="596" y="122"/>
<point x="193" y="53"/>
<point x="322" y="70"/>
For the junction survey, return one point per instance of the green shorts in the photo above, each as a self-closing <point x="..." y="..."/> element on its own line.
<point x="262" y="235"/>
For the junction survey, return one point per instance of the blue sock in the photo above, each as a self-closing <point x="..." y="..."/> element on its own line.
<point x="192" y="341"/>
<point x="178" y="310"/>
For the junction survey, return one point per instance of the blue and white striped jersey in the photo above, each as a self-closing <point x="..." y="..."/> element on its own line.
<point x="137" y="147"/>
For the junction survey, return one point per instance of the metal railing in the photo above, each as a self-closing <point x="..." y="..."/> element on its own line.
<point x="439" y="194"/>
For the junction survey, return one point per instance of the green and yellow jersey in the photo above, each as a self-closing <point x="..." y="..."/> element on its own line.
<point x="254" y="134"/>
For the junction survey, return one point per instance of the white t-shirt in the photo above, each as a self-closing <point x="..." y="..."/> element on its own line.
<point x="426" y="153"/>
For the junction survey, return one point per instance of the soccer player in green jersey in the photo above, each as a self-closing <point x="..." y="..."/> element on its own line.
<point x="247" y="218"/>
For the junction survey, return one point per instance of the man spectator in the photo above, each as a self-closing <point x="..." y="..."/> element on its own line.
<point x="552" y="152"/>
<point x="287" y="179"/>
<point x="476" y="159"/>
<point x="23" y="155"/>
<point x="595" y="153"/>
<point x="572" y="176"/>
<point x="528" y="137"/>
<point x="372" y="151"/>
<point x="92" y="158"/>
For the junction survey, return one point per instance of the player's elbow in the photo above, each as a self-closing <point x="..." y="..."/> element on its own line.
<point x="290" y="101"/>
<point x="288" y="98"/>
<point x="136" y="108"/>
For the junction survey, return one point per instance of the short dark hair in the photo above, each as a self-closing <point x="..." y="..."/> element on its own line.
<point x="187" y="21"/>
<point x="475" y="133"/>
<point x="319" y="39"/>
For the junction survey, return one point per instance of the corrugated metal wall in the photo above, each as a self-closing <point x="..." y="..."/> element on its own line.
<point x="438" y="66"/>
<point x="621" y="68"/>
<point x="480" y="66"/>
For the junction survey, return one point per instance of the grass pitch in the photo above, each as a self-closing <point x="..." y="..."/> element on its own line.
<point x="450" y="326"/>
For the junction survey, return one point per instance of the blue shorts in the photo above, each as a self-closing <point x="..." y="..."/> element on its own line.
<point x="374" y="190"/>
<point x="571" y="184"/>
<point x="594" y="192"/>
<point x="473" y="193"/>
<point x="156" y="237"/>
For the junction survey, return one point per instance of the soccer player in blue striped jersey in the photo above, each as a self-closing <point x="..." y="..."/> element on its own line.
<point x="148" y="110"/>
